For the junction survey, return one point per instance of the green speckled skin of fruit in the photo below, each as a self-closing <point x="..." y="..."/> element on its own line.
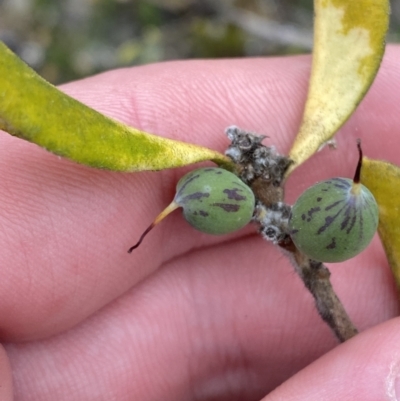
<point x="329" y="223"/>
<point x="214" y="200"/>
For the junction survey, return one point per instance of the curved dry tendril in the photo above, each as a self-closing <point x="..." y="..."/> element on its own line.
<point x="169" y="209"/>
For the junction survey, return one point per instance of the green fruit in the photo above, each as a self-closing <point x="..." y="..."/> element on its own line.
<point x="214" y="200"/>
<point x="334" y="220"/>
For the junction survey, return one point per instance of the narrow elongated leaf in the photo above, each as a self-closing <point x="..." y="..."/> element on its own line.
<point x="35" y="110"/>
<point x="383" y="180"/>
<point x="349" y="42"/>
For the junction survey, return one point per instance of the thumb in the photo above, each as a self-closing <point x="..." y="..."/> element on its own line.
<point x="366" y="368"/>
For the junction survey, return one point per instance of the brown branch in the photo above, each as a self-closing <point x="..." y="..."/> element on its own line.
<point x="263" y="169"/>
<point x="316" y="278"/>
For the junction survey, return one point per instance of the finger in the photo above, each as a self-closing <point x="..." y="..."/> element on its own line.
<point x="364" y="368"/>
<point x="193" y="330"/>
<point x="6" y="383"/>
<point x="65" y="228"/>
<point x="214" y="325"/>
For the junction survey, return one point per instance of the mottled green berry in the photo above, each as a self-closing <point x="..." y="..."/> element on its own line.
<point x="214" y="200"/>
<point x="334" y="220"/>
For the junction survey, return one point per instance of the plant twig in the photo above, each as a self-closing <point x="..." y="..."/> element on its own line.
<point x="263" y="27"/>
<point x="316" y="278"/>
<point x="263" y="169"/>
<point x="273" y="31"/>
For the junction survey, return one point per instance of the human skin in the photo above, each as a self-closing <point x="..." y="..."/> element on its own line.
<point x="186" y="316"/>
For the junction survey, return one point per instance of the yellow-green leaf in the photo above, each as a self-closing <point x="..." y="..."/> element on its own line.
<point x="349" y="42"/>
<point x="35" y="110"/>
<point x="383" y="180"/>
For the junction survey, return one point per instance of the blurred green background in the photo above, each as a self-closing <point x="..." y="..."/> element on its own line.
<point x="69" y="39"/>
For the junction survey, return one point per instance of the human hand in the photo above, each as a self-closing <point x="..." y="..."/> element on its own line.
<point x="186" y="316"/>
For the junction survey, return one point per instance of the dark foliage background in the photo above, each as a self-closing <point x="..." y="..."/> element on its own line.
<point x="68" y="39"/>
